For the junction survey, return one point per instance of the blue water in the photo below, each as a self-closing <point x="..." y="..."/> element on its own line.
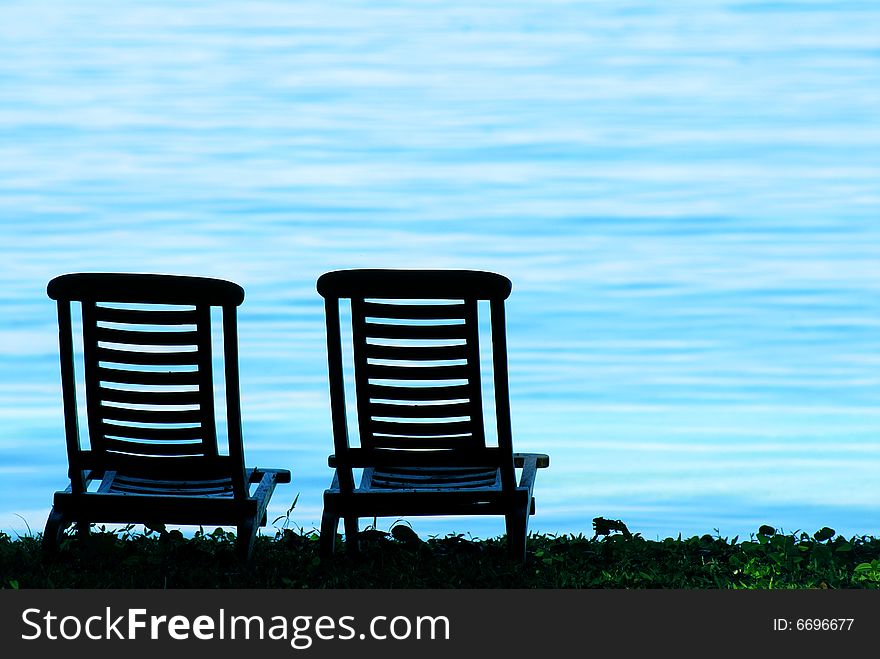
<point x="685" y="196"/>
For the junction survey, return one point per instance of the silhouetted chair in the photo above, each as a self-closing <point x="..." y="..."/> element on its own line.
<point x="153" y="454"/>
<point x="419" y="407"/>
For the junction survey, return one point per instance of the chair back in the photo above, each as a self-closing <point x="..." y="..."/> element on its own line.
<point x="148" y="378"/>
<point x="416" y="354"/>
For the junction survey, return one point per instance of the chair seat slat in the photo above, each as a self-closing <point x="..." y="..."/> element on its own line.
<point x="170" y="483"/>
<point x="435" y="477"/>
<point x="381" y="481"/>
<point x="171" y="487"/>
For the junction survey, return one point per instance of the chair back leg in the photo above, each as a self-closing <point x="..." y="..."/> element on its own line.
<point x="329" y="525"/>
<point x="55" y="526"/>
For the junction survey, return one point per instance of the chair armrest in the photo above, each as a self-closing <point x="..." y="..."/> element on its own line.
<point x="542" y="460"/>
<point x="530" y="463"/>
<point x="278" y="475"/>
<point x="267" y="479"/>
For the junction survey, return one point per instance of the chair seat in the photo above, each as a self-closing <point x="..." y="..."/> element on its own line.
<point x="126" y="499"/>
<point x="115" y="483"/>
<point x="431" y="478"/>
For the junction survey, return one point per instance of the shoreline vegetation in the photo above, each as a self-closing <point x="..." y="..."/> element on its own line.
<point x="611" y="557"/>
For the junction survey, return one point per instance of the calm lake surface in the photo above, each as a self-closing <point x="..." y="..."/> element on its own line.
<point x="686" y="196"/>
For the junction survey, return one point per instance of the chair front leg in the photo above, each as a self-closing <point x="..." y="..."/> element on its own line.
<point x="352" y="544"/>
<point x="245" y="539"/>
<point x="517" y="525"/>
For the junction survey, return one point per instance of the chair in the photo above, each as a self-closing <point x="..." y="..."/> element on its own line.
<point x="423" y="450"/>
<point x="153" y="454"/>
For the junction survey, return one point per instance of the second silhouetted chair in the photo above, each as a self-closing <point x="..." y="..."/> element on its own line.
<point x="419" y="404"/>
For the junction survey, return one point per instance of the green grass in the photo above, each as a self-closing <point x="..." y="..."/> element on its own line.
<point x="609" y="558"/>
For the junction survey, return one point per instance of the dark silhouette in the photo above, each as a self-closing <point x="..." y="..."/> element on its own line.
<point x="419" y="404"/>
<point x="603" y="526"/>
<point x="153" y="450"/>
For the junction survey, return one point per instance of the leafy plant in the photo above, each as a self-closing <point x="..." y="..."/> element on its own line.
<point x="161" y="558"/>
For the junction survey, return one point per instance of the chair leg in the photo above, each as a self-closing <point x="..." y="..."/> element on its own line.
<point x="55" y="526"/>
<point x="352" y="544"/>
<point x="329" y="525"/>
<point x="517" y="531"/>
<point x="247" y="535"/>
<point x="83" y="529"/>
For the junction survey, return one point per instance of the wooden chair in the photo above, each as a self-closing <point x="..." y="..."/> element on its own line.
<point x="153" y="453"/>
<point x="419" y="407"/>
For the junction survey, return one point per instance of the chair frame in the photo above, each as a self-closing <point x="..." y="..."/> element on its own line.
<point x="163" y="488"/>
<point x="343" y="499"/>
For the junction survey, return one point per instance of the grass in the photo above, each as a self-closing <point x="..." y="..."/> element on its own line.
<point x="611" y="558"/>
